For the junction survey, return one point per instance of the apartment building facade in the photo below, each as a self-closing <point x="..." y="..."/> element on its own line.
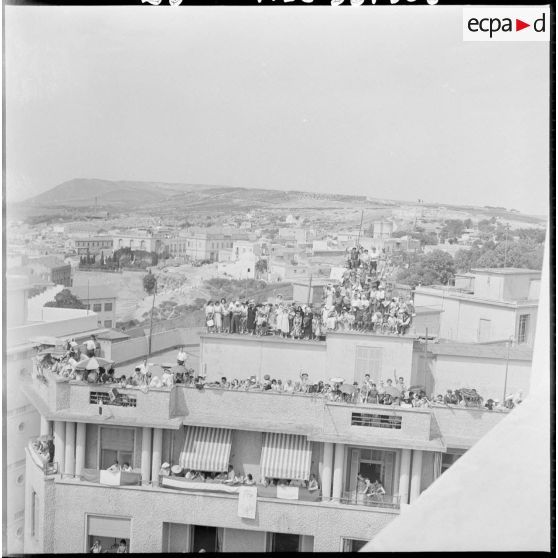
<point x="265" y="434"/>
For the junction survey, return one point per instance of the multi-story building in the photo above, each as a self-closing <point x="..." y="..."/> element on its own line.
<point x="25" y="334"/>
<point x="100" y="300"/>
<point x="94" y="245"/>
<point x="147" y="241"/>
<point x="487" y="305"/>
<point x="262" y="433"/>
<point x="50" y="268"/>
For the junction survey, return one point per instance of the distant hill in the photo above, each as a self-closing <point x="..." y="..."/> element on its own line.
<point x="93" y="195"/>
<point x="89" y="192"/>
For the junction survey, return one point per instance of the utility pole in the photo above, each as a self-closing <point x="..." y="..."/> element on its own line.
<point x="151" y="320"/>
<point x="88" y="300"/>
<point x="309" y="290"/>
<point x="506" y="376"/>
<point x="506" y="245"/>
<point x="360" y="227"/>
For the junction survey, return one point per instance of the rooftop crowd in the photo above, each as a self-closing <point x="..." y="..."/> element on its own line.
<point x="360" y="301"/>
<point x="383" y="392"/>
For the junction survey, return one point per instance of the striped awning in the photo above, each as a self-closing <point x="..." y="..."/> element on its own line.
<point x="206" y="449"/>
<point x="286" y="456"/>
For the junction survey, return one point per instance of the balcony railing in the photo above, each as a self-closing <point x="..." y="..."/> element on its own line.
<point x="373" y="501"/>
<point x="213" y="487"/>
<point x="41" y="458"/>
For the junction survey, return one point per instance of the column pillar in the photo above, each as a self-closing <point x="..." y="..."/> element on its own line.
<point x="80" y="447"/>
<point x="416" y="474"/>
<point x="327" y="468"/>
<point x="338" y="470"/>
<point x="59" y="444"/>
<point x="146" y="455"/>
<point x="45" y="426"/>
<point x="70" y="454"/>
<point x="404" y="476"/>
<point x="157" y="453"/>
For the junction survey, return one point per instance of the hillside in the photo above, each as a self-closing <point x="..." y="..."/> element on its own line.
<point x="161" y="198"/>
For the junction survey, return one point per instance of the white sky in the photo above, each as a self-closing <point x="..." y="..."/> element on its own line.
<point x="386" y="101"/>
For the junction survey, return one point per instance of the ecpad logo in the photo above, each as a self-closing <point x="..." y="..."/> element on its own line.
<point x="506" y="24"/>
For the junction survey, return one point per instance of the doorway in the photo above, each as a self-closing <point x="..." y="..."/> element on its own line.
<point x="283" y="542"/>
<point x="204" y="538"/>
<point x="371" y="470"/>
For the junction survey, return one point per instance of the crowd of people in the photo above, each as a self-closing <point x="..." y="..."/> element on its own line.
<point x="384" y="392"/>
<point x="360" y="301"/>
<point x="231" y="478"/>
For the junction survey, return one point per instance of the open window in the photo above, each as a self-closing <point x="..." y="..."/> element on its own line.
<point x="116" y="444"/>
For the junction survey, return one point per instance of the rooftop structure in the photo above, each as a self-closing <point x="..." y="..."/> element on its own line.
<point x="486" y="305"/>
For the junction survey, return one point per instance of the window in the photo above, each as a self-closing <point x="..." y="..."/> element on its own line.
<point x="116" y="444"/>
<point x="353" y="545"/>
<point x="283" y="542"/>
<point x="523" y="333"/>
<point x="108" y="323"/>
<point x="34" y="514"/>
<point x="448" y="459"/>
<point x="97" y="307"/>
<point x="377" y="421"/>
<point x="108" y="306"/>
<point x="368" y="361"/>
<point x="109" y="531"/>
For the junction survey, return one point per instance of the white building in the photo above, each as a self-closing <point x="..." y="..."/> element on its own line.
<point x="487" y="305"/>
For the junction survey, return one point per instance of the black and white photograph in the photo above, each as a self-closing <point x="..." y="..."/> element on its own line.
<point x="276" y="276"/>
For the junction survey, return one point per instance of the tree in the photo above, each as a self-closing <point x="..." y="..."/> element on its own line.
<point x="65" y="299"/>
<point x="149" y="283"/>
<point x="435" y="268"/>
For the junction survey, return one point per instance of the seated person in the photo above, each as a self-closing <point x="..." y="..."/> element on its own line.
<point x="249" y="481"/>
<point x="167" y="378"/>
<point x="96" y="548"/>
<point x="115" y="467"/>
<point x="165" y="470"/>
<point x="439" y="399"/>
<point x="122" y="547"/>
<point x="313" y="483"/>
<point x="282" y="482"/>
<point x="126" y="468"/>
<point x="190" y="475"/>
<point x="231" y="476"/>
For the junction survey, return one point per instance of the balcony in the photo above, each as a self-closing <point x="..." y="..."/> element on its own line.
<point x="327" y="521"/>
<point x="57" y="398"/>
<point x="430" y="428"/>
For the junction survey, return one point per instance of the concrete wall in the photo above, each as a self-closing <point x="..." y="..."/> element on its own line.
<point x="486" y="375"/>
<point x="246" y="452"/>
<point x="243" y="540"/>
<point x="462" y="427"/>
<point x="460" y="317"/>
<point x="397" y="354"/>
<point x="138" y="347"/>
<point x="60" y="328"/>
<point x="244" y="356"/>
<point x="327" y="523"/>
